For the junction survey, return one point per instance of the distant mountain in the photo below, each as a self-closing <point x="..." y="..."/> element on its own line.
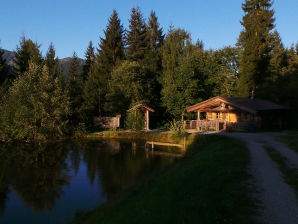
<point x="64" y="63"/>
<point x="9" y="57"/>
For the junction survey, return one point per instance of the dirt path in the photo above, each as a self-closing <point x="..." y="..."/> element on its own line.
<point x="279" y="202"/>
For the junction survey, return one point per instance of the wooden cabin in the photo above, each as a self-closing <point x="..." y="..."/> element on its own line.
<point x="230" y="113"/>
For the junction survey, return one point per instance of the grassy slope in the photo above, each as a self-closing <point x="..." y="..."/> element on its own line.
<point x="291" y="139"/>
<point x="290" y="174"/>
<point x="207" y="186"/>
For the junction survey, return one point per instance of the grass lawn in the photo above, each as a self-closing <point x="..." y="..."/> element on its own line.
<point x="209" y="185"/>
<point x="290" y="174"/>
<point x="291" y="139"/>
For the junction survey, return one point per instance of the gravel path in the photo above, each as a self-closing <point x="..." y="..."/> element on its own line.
<point x="279" y="202"/>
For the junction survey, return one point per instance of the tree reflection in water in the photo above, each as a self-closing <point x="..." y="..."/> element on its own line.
<point x="40" y="174"/>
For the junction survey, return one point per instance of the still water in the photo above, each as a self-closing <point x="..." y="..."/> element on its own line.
<point x="49" y="183"/>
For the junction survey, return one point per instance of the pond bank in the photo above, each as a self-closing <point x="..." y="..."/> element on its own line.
<point x="166" y="137"/>
<point x="208" y="185"/>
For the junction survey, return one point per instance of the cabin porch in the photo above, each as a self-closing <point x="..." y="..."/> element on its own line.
<point x="221" y="121"/>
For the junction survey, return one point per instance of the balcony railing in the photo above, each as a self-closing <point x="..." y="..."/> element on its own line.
<point x="217" y="125"/>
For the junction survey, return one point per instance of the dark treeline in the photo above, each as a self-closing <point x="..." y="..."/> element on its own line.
<point x="143" y="64"/>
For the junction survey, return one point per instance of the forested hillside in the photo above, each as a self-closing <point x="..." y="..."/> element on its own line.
<point x="142" y="63"/>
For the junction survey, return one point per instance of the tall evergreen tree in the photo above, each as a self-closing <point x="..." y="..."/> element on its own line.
<point x="258" y="23"/>
<point x="26" y="52"/>
<point x="110" y="53"/>
<point x="52" y="62"/>
<point x="89" y="60"/>
<point x="153" y="65"/>
<point x="74" y="85"/>
<point x="155" y="33"/>
<point x="137" y="38"/>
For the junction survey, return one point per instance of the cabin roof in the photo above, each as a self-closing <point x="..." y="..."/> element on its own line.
<point x="246" y="104"/>
<point x="140" y="106"/>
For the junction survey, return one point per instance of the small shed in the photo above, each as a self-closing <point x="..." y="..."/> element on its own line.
<point x="146" y="110"/>
<point x="107" y="122"/>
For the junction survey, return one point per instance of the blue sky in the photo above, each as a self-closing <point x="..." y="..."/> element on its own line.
<point x="71" y="24"/>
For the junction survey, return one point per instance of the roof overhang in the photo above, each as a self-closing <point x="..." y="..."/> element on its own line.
<point x="214" y="101"/>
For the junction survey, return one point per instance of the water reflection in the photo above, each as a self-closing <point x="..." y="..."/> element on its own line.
<point x="49" y="182"/>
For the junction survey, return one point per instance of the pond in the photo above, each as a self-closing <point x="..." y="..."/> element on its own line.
<point x="49" y="183"/>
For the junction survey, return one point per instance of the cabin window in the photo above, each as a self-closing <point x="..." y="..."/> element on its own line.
<point x="217" y="115"/>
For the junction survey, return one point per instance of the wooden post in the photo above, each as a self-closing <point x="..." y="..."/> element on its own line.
<point x="147" y="120"/>
<point x="198" y="120"/>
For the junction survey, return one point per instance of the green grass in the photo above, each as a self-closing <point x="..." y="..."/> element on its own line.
<point x="290" y="174"/>
<point x="291" y="140"/>
<point x="208" y="186"/>
<point x="149" y="136"/>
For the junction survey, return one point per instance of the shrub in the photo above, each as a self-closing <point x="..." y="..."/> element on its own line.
<point x="135" y="121"/>
<point x="177" y="127"/>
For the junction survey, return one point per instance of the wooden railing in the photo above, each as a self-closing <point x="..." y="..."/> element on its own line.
<point x="217" y="125"/>
<point x="204" y="125"/>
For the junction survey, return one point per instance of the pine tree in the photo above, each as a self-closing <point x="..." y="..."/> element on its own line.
<point x="153" y="65"/>
<point x="74" y="85"/>
<point x="89" y="60"/>
<point x="26" y="52"/>
<point x="110" y="53"/>
<point x="2" y="67"/>
<point x="258" y="23"/>
<point x="137" y="38"/>
<point x="155" y="33"/>
<point x="52" y="62"/>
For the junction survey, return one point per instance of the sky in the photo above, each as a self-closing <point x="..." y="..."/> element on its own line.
<point x="71" y="24"/>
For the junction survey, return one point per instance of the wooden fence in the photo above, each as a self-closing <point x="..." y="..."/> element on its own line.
<point x="107" y="122"/>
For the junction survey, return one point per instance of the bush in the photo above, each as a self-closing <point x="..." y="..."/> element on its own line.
<point x="135" y="121"/>
<point x="177" y="127"/>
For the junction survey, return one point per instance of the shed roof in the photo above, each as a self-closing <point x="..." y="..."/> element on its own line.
<point x="140" y="106"/>
<point x="246" y="104"/>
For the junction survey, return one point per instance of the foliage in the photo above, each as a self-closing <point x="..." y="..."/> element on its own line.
<point x="135" y="120"/>
<point x="180" y="73"/>
<point x="26" y="52"/>
<point x="258" y="23"/>
<point x="109" y="55"/>
<point x="177" y="127"/>
<point x="74" y="87"/>
<point x="35" y="107"/>
<point x="52" y="62"/>
<point x="128" y="83"/>
<point x="2" y="67"/>
<point x="89" y="60"/>
<point x="137" y="37"/>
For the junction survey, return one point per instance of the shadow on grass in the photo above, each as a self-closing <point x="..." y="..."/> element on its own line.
<point x="209" y="185"/>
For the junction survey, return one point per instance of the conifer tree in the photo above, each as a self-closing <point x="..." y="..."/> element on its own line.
<point x="26" y="52"/>
<point x="110" y="53"/>
<point x="153" y="65"/>
<point x="155" y="33"/>
<point x="74" y="85"/>
<point x="89" y="60"/>
<point x="258" y="23"/>
<point x="52" y="62"/>
<point x="137" y="38"/>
